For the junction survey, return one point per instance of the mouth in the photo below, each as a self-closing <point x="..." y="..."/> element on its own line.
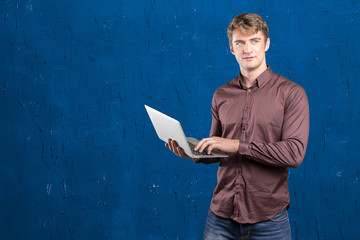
<point x="249" y="58"/>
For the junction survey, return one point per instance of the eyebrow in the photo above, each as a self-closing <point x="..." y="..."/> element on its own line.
<point x="252" y="39"/>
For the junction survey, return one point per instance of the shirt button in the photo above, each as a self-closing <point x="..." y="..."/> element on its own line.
<point x="249" y="90"/>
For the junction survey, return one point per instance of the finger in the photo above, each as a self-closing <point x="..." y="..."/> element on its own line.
<point x="198" y="146"/>
<point x="206" y="144"/>
<point x="171" y="145"/>
<point x="210" y="148"/>
<point x="174" y="145"/>
<point x="176" y="148"/>
<point x="183" y="154"/>
<point x="180" y="152"/>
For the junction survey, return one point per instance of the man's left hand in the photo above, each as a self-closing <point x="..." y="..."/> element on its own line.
<point x="222" y="144"/>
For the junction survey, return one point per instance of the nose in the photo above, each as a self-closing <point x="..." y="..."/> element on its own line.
<point x="247" y="48"/>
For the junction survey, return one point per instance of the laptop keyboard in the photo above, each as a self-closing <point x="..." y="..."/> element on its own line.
<point x="204" y="152"/>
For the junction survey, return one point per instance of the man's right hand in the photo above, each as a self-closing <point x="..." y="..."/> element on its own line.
<point x="175" y="148"/>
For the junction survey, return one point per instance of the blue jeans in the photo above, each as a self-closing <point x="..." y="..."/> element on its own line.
<point x="277" y="228"/>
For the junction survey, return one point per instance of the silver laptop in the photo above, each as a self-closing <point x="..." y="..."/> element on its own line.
<point x="167" y="127"/>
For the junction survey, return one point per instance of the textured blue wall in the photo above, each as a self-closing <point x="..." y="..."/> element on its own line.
<point x="79" y="157"/>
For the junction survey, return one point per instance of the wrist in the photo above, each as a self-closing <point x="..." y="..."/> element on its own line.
<point x="236" y="145"/>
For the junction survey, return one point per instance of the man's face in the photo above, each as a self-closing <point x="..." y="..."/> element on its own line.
<point x="249" y="50"/>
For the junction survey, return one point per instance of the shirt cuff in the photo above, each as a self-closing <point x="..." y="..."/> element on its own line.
<point x="243" y="148"/>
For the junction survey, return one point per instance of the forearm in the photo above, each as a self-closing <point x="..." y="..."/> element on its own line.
<point x="288" y="153"/>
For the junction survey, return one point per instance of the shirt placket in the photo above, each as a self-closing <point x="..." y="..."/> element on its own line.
<point x="239" y="181"/>
<point x="238" y="187"/>
<point x="246" y="114"/>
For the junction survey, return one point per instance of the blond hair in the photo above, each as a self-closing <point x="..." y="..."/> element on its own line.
<point x="249" y="23"/>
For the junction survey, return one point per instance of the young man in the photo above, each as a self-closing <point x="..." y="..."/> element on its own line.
<point x="261" y="120"/>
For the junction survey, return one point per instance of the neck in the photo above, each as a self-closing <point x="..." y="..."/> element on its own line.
<point x="249" y="76"/>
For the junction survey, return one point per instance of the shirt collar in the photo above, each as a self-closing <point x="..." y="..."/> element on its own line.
<point x="261" y="80"/>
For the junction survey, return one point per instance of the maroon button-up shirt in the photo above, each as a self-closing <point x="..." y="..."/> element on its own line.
<point x="271" y="120"/>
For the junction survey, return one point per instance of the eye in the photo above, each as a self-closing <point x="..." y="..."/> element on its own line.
<point x="254" y="41"/>
<point x="239" y="43"/>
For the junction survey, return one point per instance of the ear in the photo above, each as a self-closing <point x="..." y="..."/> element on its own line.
<point x="232" y="49"/>
<point x="267" y="44"/>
